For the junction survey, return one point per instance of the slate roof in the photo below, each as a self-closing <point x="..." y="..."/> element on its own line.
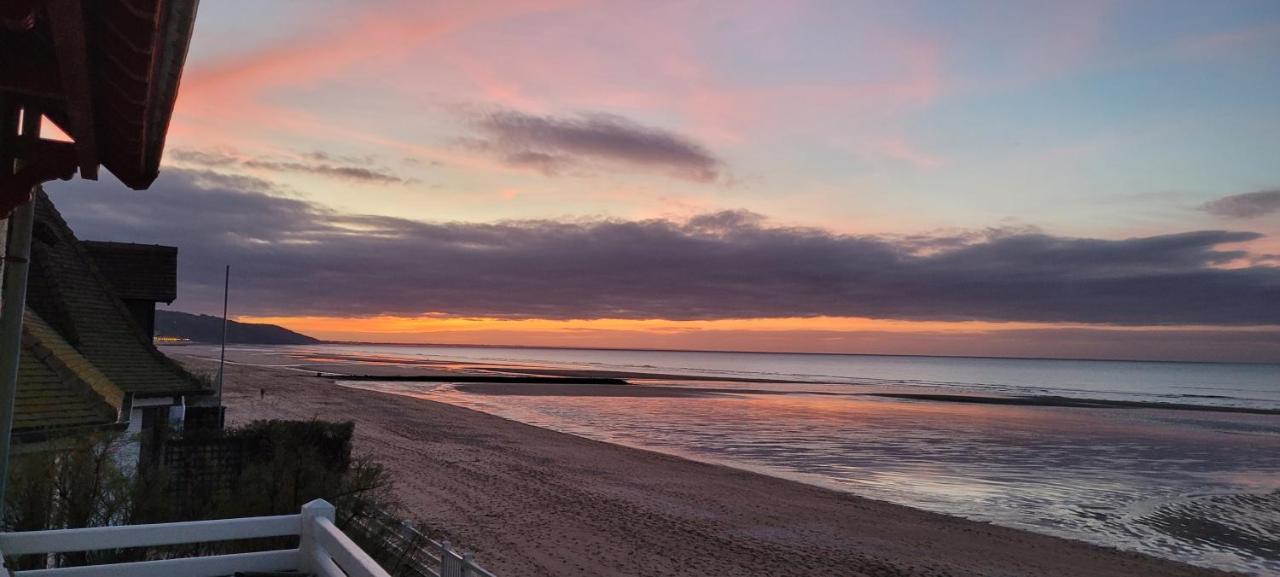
<point x="67" y="290"/>
<point x="146" y="272"/>
<point x="57" y="387"/>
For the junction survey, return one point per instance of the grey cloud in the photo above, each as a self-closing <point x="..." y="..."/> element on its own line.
<point x="548" y="164"/>
<point x="203" y="157"/>
<point x="725" y="220"/>
<point x="291" y="256"/>
<point x="322" y="156"/>
<point x="319" y="163"/>
<point x="553" y="144"/>
<point x="1246" y="205"/>
<point x="358" y="173"/>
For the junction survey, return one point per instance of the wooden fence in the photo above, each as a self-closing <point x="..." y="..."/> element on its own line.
<point x="406" y="552"/>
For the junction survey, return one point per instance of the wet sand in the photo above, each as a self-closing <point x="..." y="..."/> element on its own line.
<point x="530" y="501"/>
<point x="355" y="367"/>
<point x="1050" y="401"/>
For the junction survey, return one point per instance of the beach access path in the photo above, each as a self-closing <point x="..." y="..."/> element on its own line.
<point x="531" y="502"/>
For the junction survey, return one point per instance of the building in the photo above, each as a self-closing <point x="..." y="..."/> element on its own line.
<point x="140" y="274"/>
<point x="87" y="357"/>
<point x="106" y="75"/>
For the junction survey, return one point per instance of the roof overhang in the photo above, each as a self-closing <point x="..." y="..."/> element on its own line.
<point x="106" y="72"/>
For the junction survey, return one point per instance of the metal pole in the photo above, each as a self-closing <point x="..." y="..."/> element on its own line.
<point x="222" y="359"/>
<point x="14" y="295"/>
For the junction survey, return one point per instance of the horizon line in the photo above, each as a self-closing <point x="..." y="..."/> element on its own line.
<point x="730" y="351"/>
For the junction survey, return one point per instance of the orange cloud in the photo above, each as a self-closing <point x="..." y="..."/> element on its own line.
<point x="392" y="325"/>
<point x="428" y="323"/>
<point x="819" y="334"/>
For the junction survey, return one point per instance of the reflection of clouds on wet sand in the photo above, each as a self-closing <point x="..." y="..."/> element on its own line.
<point x="1074" y="472"/>
<point x="1248" y="525"/>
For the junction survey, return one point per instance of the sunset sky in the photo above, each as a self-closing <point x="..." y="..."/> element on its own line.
<point x="1080" y="179"/>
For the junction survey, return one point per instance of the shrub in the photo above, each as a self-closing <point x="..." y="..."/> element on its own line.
<point x="81" y="483"/>
<point x="265" y="468"/>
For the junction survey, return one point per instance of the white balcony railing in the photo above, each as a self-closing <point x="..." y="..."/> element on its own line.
<point x="323" y="549"/>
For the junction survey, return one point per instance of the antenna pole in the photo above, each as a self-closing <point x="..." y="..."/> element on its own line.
<point x="222" y="359"/>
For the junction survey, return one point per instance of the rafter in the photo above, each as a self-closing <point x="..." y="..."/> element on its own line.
<point x="53" y="161"/>
<point x="66" y="19"/>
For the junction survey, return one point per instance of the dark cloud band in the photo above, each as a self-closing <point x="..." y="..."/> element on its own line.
<point x="555" y="144"/>
<point x="293" y="257"/>
<point x="317" y="163"/>
<point x="1246" y="205"/>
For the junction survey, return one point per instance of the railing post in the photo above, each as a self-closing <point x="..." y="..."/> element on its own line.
<point x="468" y="561"/>
<point x="449" y="565"/>
<point x="308" y="549"/>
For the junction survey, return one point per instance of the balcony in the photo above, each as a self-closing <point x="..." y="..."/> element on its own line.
<point x="323" y="549"/>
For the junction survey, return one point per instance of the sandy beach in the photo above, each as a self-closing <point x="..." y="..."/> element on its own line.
<point x="530" y="501"/>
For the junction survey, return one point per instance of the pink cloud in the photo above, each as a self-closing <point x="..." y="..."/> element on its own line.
<point x="654" y="65"/>
<point x="901" y="149"/>
<point x="536" y="57"/>
<point x="227" y="99"/>
<point x="1231" y="41"/>
<point x="354" y="38"/>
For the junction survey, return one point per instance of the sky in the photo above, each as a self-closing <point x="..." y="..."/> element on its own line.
<point x="1061" y="179"/>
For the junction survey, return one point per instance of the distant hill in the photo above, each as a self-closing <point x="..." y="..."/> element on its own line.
<point x="208" y="329"/>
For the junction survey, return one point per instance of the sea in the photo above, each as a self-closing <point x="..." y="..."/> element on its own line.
<point x="1200" y="486"/>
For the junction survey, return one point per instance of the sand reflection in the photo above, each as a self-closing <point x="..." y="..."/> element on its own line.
<point x="1113" y="476"/>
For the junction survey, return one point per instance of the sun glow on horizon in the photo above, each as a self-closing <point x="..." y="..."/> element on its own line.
<point x="840" y="335"/>
<point x="434" y="323"/>
<point x="424" y="328"/>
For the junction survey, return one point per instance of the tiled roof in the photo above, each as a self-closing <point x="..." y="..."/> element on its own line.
<point x="56" y="352"/>
<point x="57" y="387"/>
<point x="67" y="290"/>
<point x="137" y="271"/>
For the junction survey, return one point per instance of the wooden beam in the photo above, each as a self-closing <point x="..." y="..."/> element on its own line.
<point x="31" y="148"/>
<point x="31" y="80"/>
<point x="66" y="20"/>
<point x="9" y="113"/>
<point x="57" y="161"/>
<point x="19" y="14"/>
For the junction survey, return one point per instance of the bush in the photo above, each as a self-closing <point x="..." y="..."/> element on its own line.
<point x="265" y="468"/>
<point x="82" y="483"/>
<point x="78" y="484"/>
<point x="289" y="463"/>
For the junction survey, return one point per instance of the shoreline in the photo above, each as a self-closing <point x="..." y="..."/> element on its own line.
<point x="531" y="501"/>
<point x="751" y="352"/>
<point x="492" y="379"/>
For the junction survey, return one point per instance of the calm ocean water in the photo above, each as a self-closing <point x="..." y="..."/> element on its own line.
<point x="1215" y="384"/>
<point x="1197" y="486"/>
